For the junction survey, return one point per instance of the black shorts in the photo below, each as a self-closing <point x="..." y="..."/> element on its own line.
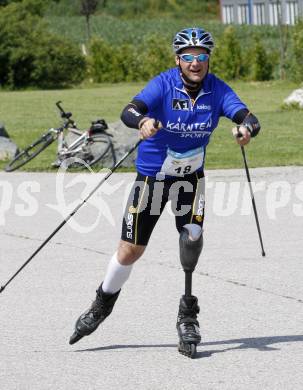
<point x="148" y="198"/>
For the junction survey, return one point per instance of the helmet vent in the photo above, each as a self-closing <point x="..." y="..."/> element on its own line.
<point x="193" y="37"/>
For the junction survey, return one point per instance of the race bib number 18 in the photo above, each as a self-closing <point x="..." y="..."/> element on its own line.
<point x="180" y="164"/>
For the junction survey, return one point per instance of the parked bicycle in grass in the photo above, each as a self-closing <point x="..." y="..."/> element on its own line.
<point x="88" y="148"/>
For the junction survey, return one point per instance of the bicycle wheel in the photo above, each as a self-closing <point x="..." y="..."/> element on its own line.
<point x="30" y="152"/>
<point x="101" y="148"/>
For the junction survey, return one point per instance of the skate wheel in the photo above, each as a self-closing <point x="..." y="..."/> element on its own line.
<point x="74" y="338"/>
<point x="188" y="350"/>
<point x="193" y="351"/>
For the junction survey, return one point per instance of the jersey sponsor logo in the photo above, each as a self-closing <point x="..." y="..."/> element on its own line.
<point x="133" y="111"/>
<point x="204" y="107"/>
<point x="192" y="130"/>
<point x="201" y="205"/>
<point x="181" y="104"/>
<point x="200" y="212"/>
<point x="129" y="226"/>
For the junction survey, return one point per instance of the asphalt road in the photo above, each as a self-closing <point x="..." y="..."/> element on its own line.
<point x="251" y="307"/>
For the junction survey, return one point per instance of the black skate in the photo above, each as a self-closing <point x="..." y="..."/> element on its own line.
<point x="188" y="326"/>
<point x="89" y="321"/>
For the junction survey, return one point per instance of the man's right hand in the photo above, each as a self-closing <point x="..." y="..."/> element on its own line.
<point x="149" y="127"/>
<point x="241" y="134"/>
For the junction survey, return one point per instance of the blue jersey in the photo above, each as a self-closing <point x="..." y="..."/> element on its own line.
<point x="187" y="124"/>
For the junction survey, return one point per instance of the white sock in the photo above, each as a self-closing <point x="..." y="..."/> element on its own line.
<point x="116" y="275"/>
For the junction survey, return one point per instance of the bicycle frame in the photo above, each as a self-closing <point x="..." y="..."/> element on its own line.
<point x="63" y="149"/>
<point x="79" y="144"/>
<point x="85" y="145"/>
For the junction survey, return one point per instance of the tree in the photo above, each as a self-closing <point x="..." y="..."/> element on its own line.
<point x="30" y="55"/>
<point x="262" y="63"/>
<point x="296" y="59"/>
<point x="88" y="8"/>
<point x="227" y="59"/>
<point x="284" y="38"/>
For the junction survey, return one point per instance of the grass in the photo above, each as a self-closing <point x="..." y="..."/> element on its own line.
<point x="126" y="30"/>
<point x="280" y="140"/>
<point x="27" y="114"/>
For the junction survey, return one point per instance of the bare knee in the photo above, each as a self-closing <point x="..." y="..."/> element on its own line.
<point x="128" y="253"/>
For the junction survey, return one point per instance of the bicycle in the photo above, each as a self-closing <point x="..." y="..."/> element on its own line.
<point x="89" y="147"/>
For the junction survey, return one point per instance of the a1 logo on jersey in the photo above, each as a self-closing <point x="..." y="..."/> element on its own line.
<point x="181" y="104"/>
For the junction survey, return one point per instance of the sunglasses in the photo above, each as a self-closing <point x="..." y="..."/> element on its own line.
<point x="190" y="57"/>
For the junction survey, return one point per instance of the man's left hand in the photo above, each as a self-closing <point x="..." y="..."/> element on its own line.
<point x="245" y="135"/>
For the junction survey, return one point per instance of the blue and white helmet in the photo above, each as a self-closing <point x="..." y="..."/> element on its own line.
<point x="193" y="37"/>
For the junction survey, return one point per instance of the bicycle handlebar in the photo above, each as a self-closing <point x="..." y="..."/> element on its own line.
<point x="66" y="115"/>
<point x="99" y="125"/>
<point x="58" y="104"/>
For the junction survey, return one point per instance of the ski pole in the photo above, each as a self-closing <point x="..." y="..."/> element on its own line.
<point x="132" y="149"/>
<point x="252" y="199"/>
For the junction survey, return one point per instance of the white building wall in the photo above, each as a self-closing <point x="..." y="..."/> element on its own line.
<point x="263" y="11"/>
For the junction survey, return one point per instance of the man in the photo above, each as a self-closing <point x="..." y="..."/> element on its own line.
<point x="176" y="114"/>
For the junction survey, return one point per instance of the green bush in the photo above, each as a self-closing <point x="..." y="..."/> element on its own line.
<point x="104" y="62"/>
<point x="6" y="2"/>
<point x="57" y="63"/>
<point x="30" y="56"/>
<point x="155" y="56"/>
<point x="127" y="62"/>
<point x="262" y="65"/>
<point x="296" y="57"/>
<point x="227" y="60"/>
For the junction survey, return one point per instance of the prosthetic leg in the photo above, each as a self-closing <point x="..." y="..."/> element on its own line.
<point x="191" y="242"/>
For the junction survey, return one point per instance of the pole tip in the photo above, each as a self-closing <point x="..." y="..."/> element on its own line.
<point x="263" y="254"/>
<point x="1" y="289"/>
